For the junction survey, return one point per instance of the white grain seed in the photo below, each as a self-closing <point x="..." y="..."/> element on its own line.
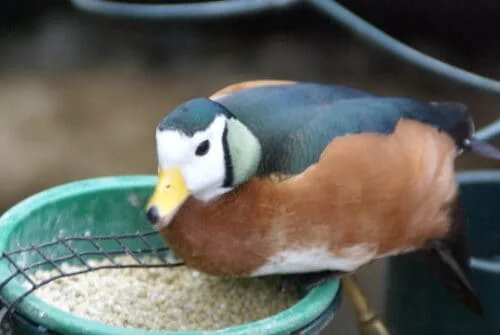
<point x="176" y="299"/>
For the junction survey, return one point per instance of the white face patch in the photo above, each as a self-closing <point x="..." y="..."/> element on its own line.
<point x="317" y="259"/>
<point x="203" y="174"/>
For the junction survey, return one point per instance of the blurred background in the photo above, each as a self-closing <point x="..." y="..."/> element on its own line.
<point x="80" y="94"/>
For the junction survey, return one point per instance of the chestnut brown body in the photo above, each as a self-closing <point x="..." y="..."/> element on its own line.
<point x="387" y="193"/>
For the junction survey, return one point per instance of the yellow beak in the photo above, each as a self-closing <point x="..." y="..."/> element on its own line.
<point x="169" y="194"/>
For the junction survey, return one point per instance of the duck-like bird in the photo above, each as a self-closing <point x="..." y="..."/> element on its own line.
<point x="313" y="181"/>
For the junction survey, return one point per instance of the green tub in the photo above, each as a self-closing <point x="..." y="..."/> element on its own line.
<point x="114" y="205"/>
<point x="417" y="303"/>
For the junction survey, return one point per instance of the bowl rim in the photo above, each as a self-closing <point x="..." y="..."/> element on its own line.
<point x="303" y="312"/>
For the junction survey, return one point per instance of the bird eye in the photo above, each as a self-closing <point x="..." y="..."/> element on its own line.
<point x="202" y="148"/>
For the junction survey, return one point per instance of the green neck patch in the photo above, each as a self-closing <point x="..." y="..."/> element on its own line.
<point x="244" y="151"/>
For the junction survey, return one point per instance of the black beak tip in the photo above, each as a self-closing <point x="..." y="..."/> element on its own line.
<point x="153" y="215"/>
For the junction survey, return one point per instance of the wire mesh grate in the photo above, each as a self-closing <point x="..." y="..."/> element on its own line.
<point x="80" y="251"/>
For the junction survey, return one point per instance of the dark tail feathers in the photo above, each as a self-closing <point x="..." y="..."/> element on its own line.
<point x="449" y="258"/>
<point x="458" y="123"/>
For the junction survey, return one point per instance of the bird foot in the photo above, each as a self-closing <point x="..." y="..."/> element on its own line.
<point x="308" y="281"/>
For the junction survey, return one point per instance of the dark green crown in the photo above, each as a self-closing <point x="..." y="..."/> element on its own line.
<point x="193" y="116"/>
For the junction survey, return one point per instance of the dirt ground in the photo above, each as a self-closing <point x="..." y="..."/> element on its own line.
<point x="80" y="99"/>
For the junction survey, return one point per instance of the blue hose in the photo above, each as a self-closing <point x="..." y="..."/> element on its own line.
<point x="219" y="9"/>
<point x="380" y="39"/>
<point x="489" y="132"/>
<point x="202" y="10"/>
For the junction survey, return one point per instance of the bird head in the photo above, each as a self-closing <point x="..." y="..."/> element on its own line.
<point x="203" y="151"/>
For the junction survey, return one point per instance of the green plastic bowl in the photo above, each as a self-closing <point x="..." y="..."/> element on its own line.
<point x="114" y="205"/>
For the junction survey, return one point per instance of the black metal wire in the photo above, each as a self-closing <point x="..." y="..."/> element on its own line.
<point x="71" y="254"/>
<point x="47" y="259"/>
<point x="74" y="253"/>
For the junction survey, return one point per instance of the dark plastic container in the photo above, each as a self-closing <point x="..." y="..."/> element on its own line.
<point x="416" y="302"/>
